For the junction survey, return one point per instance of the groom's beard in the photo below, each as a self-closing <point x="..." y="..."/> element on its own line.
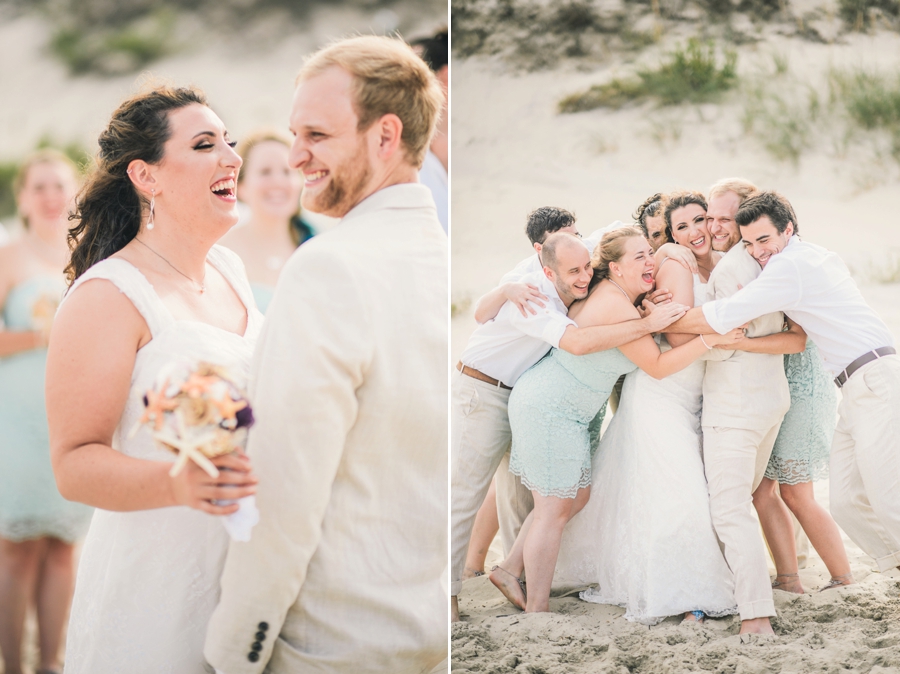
<point x="723" y="246"/>
<point x="348" y="181"/>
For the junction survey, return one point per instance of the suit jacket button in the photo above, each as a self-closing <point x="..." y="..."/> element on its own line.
<point x="256" y="646"/>
<point x="260" y="636"/>
<point x="263" y="626"/>
<point x="253" y="656"/>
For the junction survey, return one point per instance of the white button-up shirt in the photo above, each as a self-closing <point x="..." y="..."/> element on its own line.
<point x="532" y="263"/>
<point x="507" y="345"/>
<point x="434" y="176"/>
<point x="813" y="287"/>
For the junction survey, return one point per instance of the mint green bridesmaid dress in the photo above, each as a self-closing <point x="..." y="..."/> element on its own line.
<point x="30" y="504"/>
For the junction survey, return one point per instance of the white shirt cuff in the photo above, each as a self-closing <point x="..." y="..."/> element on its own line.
<point x="709" y="312"/>
<point x="554" y="331"/>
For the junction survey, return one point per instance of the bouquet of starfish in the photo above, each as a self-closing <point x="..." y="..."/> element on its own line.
<point x="197" y="412"/>
<point x="43" y="311"/>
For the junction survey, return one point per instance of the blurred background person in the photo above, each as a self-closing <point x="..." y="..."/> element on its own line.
<point x="271" y="190"/>
<point x="38" y="527"/>
<point x="433" y="173"/>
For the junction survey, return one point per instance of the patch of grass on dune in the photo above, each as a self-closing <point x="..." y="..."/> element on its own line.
<point x="691" y="74"/>
<point x="857" y="14"/>
<point x="871" y="101"/>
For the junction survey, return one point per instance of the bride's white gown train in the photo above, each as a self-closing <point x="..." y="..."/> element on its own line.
<point x="646" y="536"/>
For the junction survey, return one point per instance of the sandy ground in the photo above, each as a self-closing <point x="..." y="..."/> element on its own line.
<point x="513" y="153"/>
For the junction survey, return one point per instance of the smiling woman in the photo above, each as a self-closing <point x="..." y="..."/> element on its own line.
<point x="147" y="287"/>
<point x="270" y="187"/>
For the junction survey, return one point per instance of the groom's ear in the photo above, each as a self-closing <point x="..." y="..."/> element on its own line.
<point x="789" y="230"/>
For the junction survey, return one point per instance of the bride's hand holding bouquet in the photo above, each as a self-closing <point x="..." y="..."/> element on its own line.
<point x="197" y="411"/>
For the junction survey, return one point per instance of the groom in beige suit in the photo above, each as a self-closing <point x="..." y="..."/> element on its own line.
<point x="745" y="398"/>
<point x="350" y="391"/>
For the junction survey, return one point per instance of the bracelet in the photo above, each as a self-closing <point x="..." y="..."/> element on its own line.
<point x="704" y="343"/>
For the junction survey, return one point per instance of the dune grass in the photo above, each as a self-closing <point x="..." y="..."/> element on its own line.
<point x="688" y="74"/>
<point x="113" y="50"/>
<point x="859" y="14"/>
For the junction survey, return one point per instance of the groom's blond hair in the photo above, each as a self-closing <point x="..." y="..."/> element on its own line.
<point x="741" y="187"/>
<point x="389" y="78"/>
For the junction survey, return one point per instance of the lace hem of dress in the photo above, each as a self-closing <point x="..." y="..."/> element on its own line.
<point x="796" y="471"/>
<point x="66" y="531"/>
<point x="594" y="596"/>
<point x="566" y="492"/>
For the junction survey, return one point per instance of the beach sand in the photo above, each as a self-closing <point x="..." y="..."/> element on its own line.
<point x="512" y="153"/>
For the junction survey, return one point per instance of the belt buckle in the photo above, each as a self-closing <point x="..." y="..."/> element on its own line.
<point x="841" y="379"/>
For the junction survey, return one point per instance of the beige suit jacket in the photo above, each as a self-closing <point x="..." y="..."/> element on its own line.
<point x="350" y="392"/>
<point x="746" y="390"/>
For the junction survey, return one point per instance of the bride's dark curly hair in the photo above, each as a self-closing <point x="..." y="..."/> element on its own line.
<point x="108" y="208"/>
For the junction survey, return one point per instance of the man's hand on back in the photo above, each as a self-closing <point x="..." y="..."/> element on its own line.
<point x="661" y="316"/>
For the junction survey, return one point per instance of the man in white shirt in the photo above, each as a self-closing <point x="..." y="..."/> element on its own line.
<point x="499" y="351"/>
<point x="540" y="223"/>
<point x="813" y="287"/>
<point x="349" y="389"/>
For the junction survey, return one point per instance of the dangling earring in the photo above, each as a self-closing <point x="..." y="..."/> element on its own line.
<point x="152" y="208"/>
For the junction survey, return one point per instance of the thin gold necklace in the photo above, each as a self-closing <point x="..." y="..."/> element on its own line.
<point x="202" y="285"/>
<point x="620" y="288"/>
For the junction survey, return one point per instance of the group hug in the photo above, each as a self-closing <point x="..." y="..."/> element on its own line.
<point x="719" y="337"/>
<point x="338" y="566"/>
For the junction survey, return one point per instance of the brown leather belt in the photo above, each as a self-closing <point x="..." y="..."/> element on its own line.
<point x="480" y="376"/>
<point x="842" y="378"/>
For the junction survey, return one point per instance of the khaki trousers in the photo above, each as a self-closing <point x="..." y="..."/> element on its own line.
<point x="735" y="461"/>
<point x="865" y="461"/>
<point x="479" y="442"/>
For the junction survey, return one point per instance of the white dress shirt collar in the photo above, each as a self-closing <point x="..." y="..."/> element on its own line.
<point x="402" y="195"/>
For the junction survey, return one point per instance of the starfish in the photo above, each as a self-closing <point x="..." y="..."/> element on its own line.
<point x="187" y="449"/>
<point x="228" y="408"/>
<point x="197" y="384"/>
<point x="157" y="405"/>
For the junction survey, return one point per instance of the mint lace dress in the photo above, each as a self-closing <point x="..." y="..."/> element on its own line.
<point x="803" y="445"/>
<point x="555" y="413"/>
<point x="30" y="504"/>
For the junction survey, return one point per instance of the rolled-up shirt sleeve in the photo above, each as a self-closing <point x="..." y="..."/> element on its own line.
<point x="547" y="325"/>
<point x="777" y="288"/>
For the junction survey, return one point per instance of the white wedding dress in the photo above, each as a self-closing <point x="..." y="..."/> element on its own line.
<point x="645" y="537"/>
<point x="148" y="581"/>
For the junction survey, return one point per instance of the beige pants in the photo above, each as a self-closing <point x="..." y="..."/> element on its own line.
<point x="479" y="441"/>
<point x="735" y="460"/>
<point x="865" y="461"/>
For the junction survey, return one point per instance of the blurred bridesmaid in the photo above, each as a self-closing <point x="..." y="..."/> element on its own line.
<point x="271" y="189"/>
<point x="37" y="526"/>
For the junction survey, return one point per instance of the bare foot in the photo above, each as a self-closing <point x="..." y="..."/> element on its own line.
<point x="789" y="582"/>
<point x="757" y="626"/>
<point x="454" y="610"/>
<point x="469" y="572"/>
<point x="509" y="585"/>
